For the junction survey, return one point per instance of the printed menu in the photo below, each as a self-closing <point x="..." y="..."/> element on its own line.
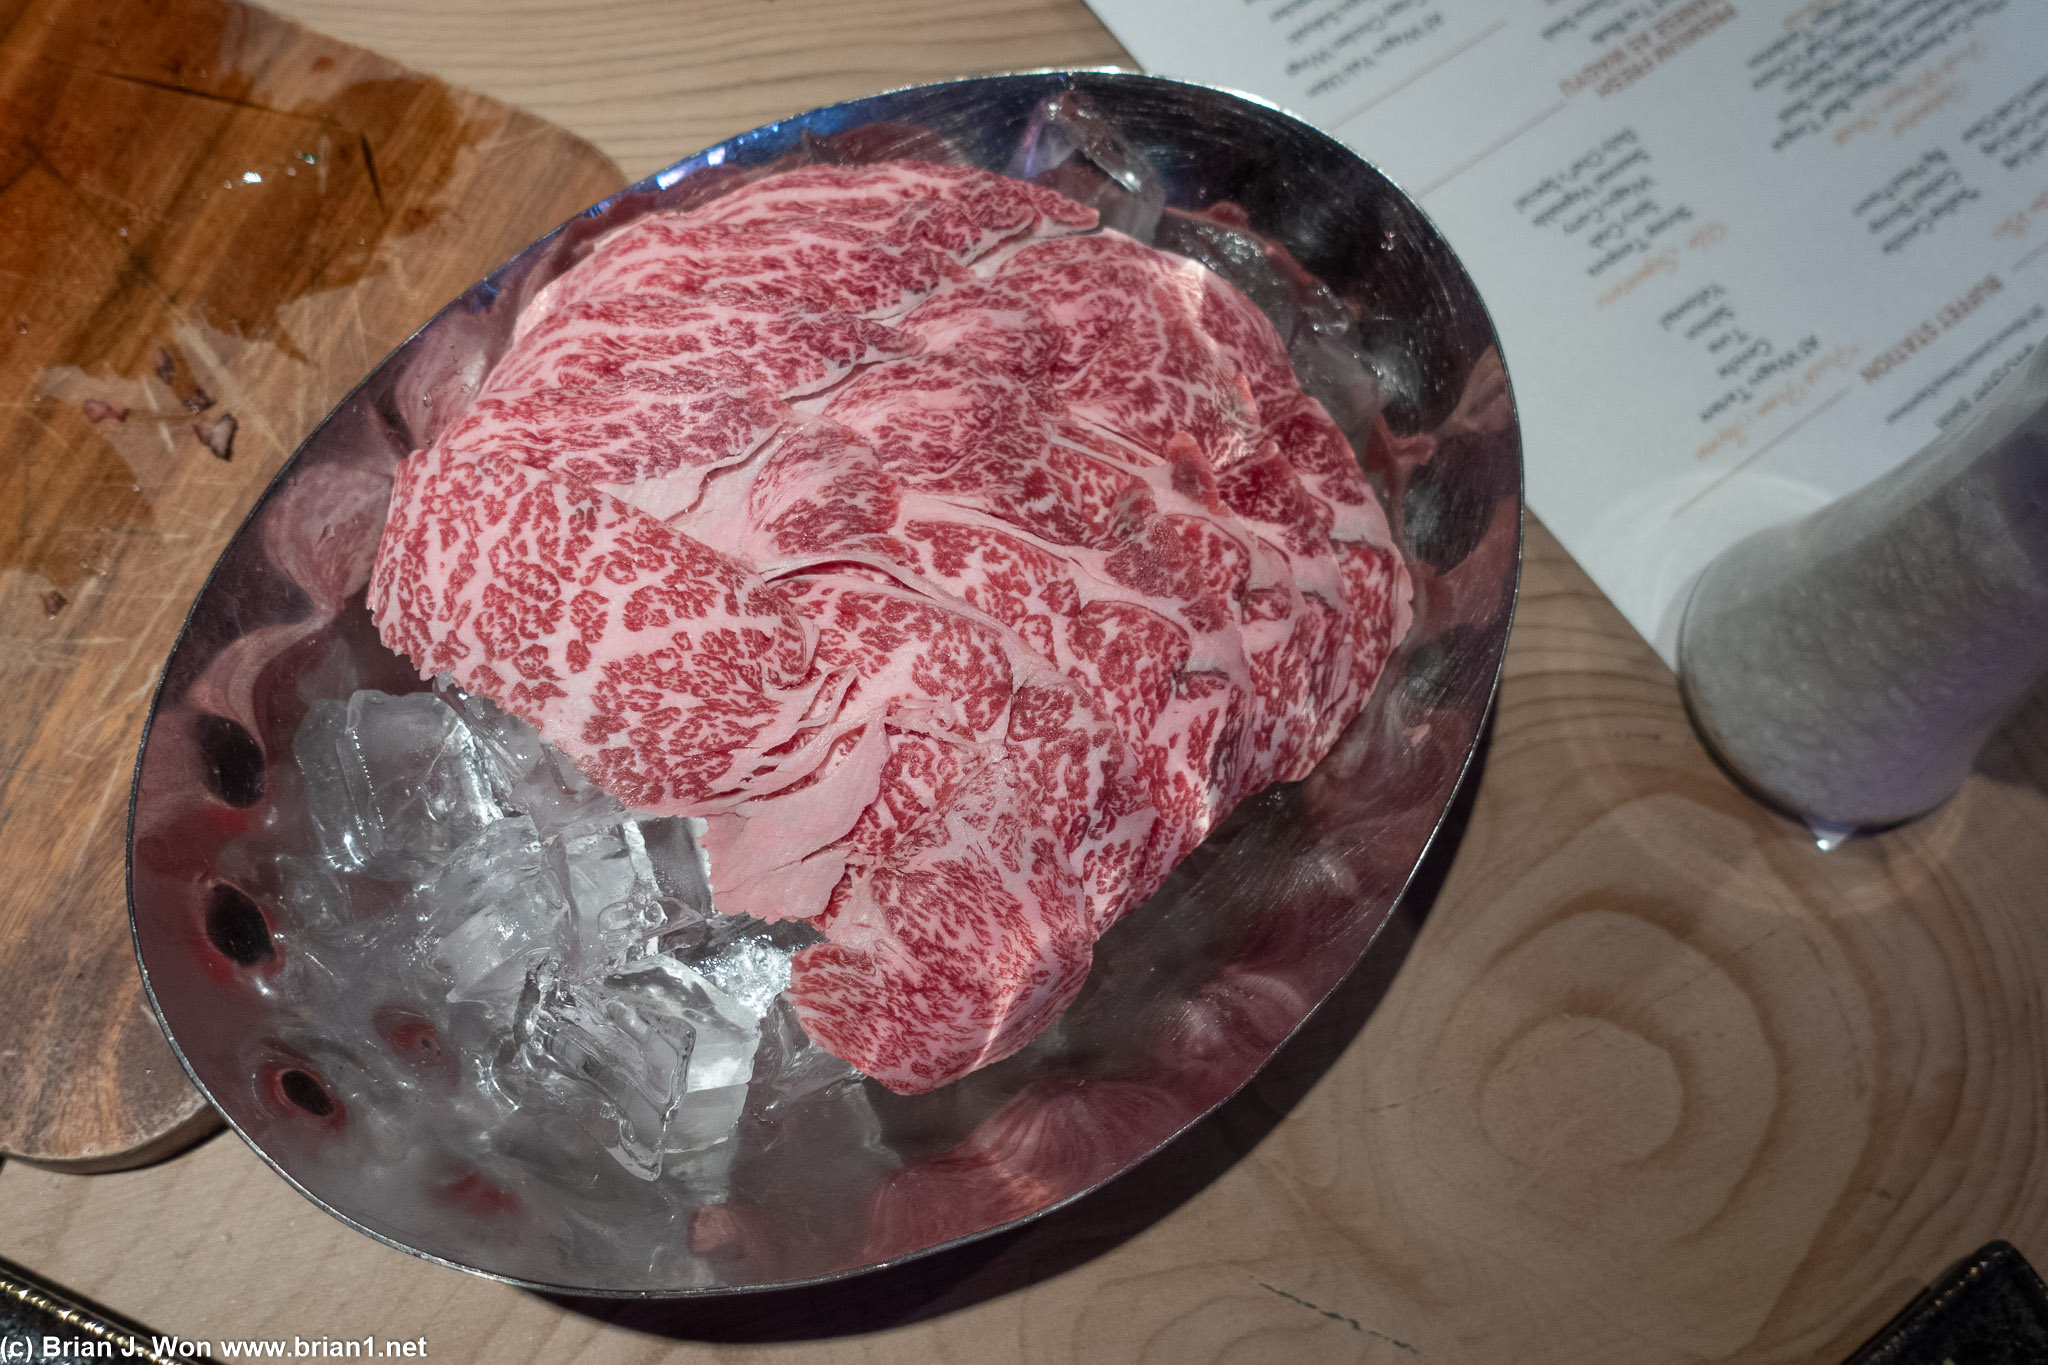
<point x="1743" y="255"/>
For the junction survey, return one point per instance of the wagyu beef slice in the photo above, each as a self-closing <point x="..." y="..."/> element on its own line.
<point x="961" y="567"/>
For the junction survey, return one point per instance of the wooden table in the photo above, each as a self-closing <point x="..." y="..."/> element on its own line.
<point x="1656" y="1081"/>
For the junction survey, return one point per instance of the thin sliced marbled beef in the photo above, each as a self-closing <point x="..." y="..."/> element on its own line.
<point x="817" y="263"/>
<point x="723" y="336"/>
<point x="961" y="571"/>
<point x="1134" y="356"/>
<point x="652" y="448"/>
<point x="590" y="619"/>
<point x="950" y="208"/>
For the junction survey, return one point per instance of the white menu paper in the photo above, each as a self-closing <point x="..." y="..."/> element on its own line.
<point x="1743" y="255"/>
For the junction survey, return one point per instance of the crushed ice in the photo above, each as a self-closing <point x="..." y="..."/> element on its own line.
<point x="581" y="933"/>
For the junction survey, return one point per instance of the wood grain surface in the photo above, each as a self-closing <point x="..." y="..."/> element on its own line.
<point x="1638" y="1074"/>
<point x="211" y="224"/>
<point x="651" y="81"/>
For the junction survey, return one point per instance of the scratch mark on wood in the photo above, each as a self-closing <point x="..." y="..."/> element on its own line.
<point x="83" y="830"/>
<point x="1391" y="1105"/>
<point x="355" y="317"/>
<point x="63" y="441"/>
<point x="370" y="165"/>
<point x="1336" y="1316"/>
<point x="171" y="87"/>
<point x="147" y="635"/>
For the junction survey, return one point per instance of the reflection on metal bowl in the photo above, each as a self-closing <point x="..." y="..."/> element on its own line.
<point x="1189" y="996"/>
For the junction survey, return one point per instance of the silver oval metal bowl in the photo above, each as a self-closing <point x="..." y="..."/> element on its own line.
<point x="1189" y="996"/>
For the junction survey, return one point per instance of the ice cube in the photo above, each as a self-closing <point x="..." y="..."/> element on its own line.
<point x="535" y="778"/>
<point x="320" y="962"/>
<point x="652" y="1061"/>
<point x="615" y="901"/>
<point x="1072" y="148"/>
<point x="522" y="927"/>
<point x="312" y="893"/>
<point x="515" y="746"/>
<point x="614" y="1054"/>
<point x="707" y="1116"/>
<point x="726" y="1032"/>
<point x="753" y="966"/>
<point x="393" y="783"/>
<point x="681" y="870"/>
<point x="788" y="1066"/>
<point x="494" y="911"/>
<point x="722" y="1064"/>
<point x="558" y="796"/>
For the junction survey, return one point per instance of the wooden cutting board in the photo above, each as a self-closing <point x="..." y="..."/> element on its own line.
<point x="212" y="223"/>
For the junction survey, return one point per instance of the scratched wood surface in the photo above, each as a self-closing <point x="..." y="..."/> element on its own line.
<point x="1642" y="1076"/>
<point x="211" y="223"/>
